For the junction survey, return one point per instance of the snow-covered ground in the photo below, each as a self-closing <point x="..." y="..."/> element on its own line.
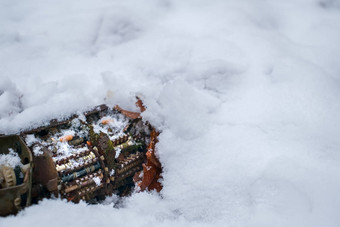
<point x="246" y="93"/>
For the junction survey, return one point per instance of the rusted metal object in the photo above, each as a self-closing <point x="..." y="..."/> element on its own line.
<point x="87" y="157"/>
<point x="15" y="195"/>
<point x="45" y="173"/>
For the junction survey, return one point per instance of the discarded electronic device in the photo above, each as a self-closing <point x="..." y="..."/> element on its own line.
<point x="87" y="157"/>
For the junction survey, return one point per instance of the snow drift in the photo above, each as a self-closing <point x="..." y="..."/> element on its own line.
<point x="246" y="94"/>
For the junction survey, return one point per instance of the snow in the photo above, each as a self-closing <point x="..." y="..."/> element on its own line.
<point x="11" y="159"/>
<point x="37" y="150"/>
<point x="97" y="180"/>
<point x="246" y="94"/>
<point x="31" y="139"/>
<point x="116" y="123"/>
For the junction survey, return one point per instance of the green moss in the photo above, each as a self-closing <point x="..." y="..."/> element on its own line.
<point x="93" y="137"/>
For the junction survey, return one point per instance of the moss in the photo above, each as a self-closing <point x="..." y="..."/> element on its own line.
<point x="93" y="137"/>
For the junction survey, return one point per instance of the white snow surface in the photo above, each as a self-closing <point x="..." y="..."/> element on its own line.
<point x="245" y="92"/>
<point x="11" y="159"/>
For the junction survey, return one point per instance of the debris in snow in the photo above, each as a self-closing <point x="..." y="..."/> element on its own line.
<point x="83" y="153"/>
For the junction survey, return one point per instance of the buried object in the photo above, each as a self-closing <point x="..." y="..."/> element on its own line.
<point x="89" y="156"/>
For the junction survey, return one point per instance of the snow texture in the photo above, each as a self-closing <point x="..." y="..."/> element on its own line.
<point x="246" y="94"/>
<point x="11" y="159"/>
<point x="97" y="180"/>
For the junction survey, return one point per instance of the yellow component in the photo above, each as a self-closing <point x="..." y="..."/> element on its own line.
<point x="25" y="168"/>
<point x="17" y="202"/>
<point x="90" y="156"/>
<point x="124" y="145"/>
<point x="7" y="177"/>
<point x="60" y="167"/>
